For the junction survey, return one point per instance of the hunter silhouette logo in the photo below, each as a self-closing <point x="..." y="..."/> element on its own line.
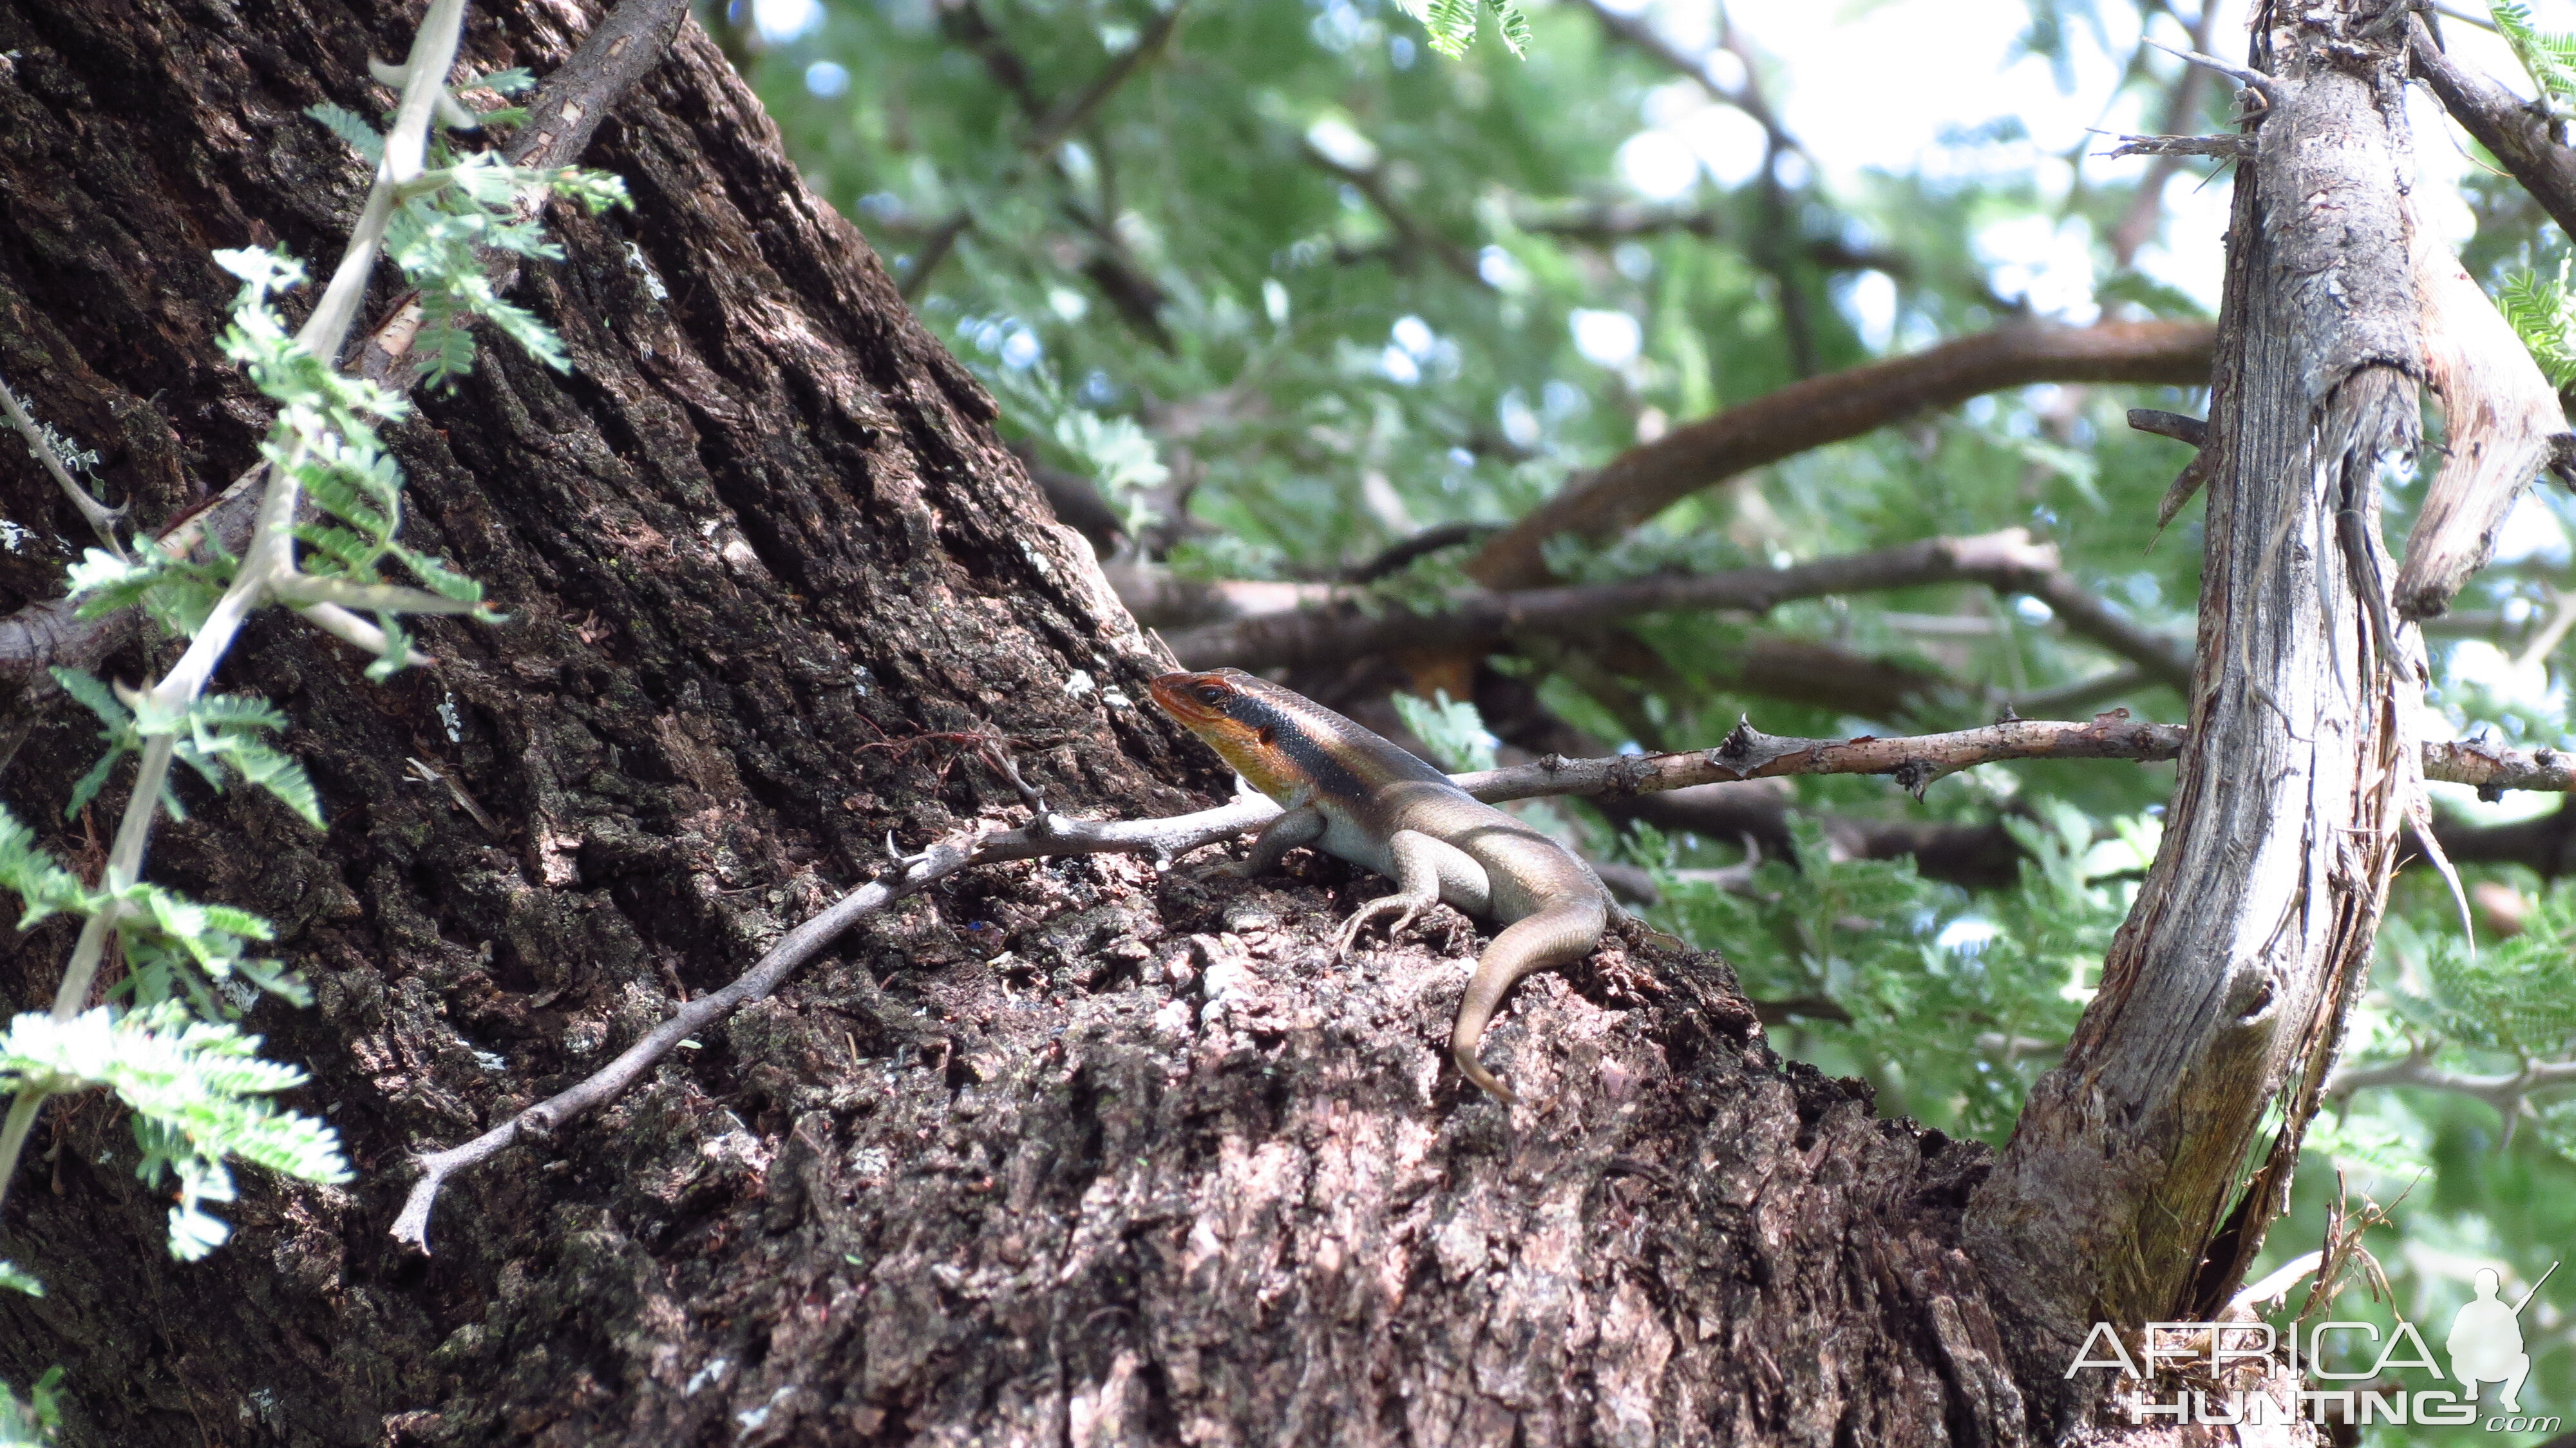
<point x="2484" y="1346"/>
<point x="2486" y="1340"/>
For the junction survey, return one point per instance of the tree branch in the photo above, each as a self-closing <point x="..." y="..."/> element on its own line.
<point x="101" y="518"/>
<point x="1644" y="480"/>
<point x="2504" y="1093"/>
<point x="1412" y="237"/>
<point x="1071" y="115"/>
<point x="1137" y="298"/>
<point x="1290" y="624"/>
<point x="2502" y="122"/>
<point x="1639" y="32"/>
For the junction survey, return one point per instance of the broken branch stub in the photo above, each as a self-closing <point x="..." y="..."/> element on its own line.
<point x="2502" y="421"/>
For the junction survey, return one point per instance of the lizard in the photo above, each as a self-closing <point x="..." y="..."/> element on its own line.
<point x="1352" y="793"/>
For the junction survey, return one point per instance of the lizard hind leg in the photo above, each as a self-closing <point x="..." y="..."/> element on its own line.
<point x="1562" y="933"/>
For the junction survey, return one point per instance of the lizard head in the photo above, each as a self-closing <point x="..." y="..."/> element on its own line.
<point x="1231" y="710"/>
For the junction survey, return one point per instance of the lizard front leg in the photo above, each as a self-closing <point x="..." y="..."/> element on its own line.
<point x="1300" y="826"/>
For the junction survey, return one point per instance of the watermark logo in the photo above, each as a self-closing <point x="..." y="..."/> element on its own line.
<point x="2484" y="1346"/>
<point x="2486" y="1340"/>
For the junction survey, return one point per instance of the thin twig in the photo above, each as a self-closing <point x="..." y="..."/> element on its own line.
<point x="1046" y="834"/>
<point x="2230" y="144"/>
<point x="102" y="519"/>
<point x="1915" y="763"/>
<point x="2268" y="87"/>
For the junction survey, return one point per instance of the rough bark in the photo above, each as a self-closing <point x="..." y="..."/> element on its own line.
<point x="2225" y="988"/>
<point x="1070" y="1150"/>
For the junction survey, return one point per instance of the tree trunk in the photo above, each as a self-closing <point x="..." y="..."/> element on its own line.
<point x="2225" y="990"/>
<point x="1069" y="1150"/>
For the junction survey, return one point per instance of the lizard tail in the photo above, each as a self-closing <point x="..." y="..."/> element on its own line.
<point x="1553" y="936"/>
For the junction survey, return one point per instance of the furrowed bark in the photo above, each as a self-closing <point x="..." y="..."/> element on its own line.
<point x="2225" y="988"/>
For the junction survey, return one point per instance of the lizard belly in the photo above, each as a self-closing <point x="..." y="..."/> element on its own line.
<point x="1464" y="883"/>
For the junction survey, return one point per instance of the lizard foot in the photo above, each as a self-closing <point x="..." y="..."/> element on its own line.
<point x="1405" y="908"/>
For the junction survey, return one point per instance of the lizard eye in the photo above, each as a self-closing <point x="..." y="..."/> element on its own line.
<point x="1211" y="695"/>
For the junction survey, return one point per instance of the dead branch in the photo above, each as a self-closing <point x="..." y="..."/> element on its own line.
<point x="2230" y="145"/>
<point x="1644" y="480"/>
<point x="1046" y="833"/>
<point x="1917" y="761"/>
<point x="2502" y="425"/>
<point x="2182" y="107"/>
<point x="2174" y="425"/>
<point x="2506" y="1093"/>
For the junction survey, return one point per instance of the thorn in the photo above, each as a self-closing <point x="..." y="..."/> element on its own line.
<point x="2268" y="87"/>
<point x="1739" y="742"/>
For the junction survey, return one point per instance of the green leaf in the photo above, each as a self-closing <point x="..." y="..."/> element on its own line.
<point x="2549" y="56"/>
<point x="355" y="132"/>
<point x="94" y="695"/>
<point x="2541" y="316"/>
<point x="86" y="788"/>
<point x="19" y="1279"/>
<point x="511" y="82"/>
<point x="1451" y="729"/>
<point x="198" y="1092"/>
<point x="397" y="649"/>
<point x="44" y="888"/>
<point x="36" y="1422"/>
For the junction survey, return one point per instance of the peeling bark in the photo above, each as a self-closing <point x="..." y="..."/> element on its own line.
<point x="2502" y="424"/>
<point x="2224" y="991"/>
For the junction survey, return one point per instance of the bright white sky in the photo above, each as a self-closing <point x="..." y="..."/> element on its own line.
<point x="1934" y="68"/>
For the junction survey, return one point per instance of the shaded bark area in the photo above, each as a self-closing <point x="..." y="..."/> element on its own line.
<point x="2224" y="991"/>
<point x="1069" y="1150"/>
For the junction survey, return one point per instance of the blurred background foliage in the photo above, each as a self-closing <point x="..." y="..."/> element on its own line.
<point x="1272" y="292"/>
